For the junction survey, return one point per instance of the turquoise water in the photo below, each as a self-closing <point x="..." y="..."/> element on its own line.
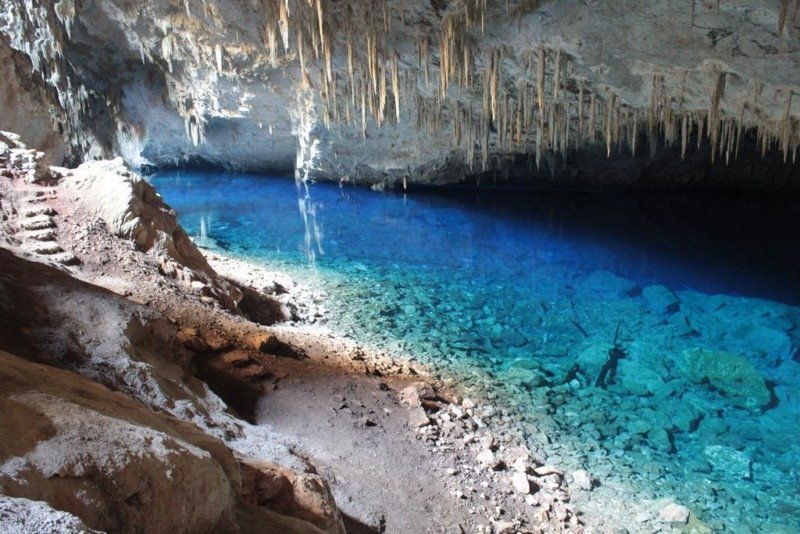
<point x="521" y="297"/>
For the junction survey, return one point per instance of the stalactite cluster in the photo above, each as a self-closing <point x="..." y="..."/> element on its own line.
<point x="490" y="100"/>
<point x="531" y="102"/>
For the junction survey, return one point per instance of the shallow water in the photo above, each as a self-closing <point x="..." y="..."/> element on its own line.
<point x="520" y="295"/>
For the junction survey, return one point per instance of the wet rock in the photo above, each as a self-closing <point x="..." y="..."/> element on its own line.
<point x="520" y="482"/>
<point x="583" y="479"/>
<point x="730" y="374"/>
<point x="638" y="379"/>
<point x="607" y="283"/>
<point x="639" y="426"/>
<point x="730" y="461"/>
<point x="660" y="439"/>
<point x="768" y="342"/>
<point x="592" y="359"/>
<point x="659" y="299"/>
<point x="674" y="514"/>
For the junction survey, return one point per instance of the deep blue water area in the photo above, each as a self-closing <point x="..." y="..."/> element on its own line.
<point x="521" y="294"/>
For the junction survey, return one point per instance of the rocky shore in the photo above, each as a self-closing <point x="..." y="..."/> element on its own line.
<point x="140" y="389"/>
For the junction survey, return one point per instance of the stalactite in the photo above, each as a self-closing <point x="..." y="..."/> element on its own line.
<point x="362" y="84"/>
<point x="539" y="140"/>
<point x="272" y="43"/>
<point x="350" y="67"/>
<point x="557" y="76"/>
<point x="283" y="23"/>
<point x="320" y="21"/>
<point x="782" y="14"/>
<point x="382" y="96"/>
<point x="713" y="112"/>
<point x="540" y="77"/>
<point x="396" y="86"/>
<point x="739" y="131"/>
<point x="424" y="57"/>
<point x="218" y="57"/>
<point x="786" y="127"/>
<point x="592" y="110"/>
<point x="684" y="136"/>
<point x="609" y="122"/>
<point x="693" y="13"/>
<point x="580" y="110"/>
<point x="302" y="57"/>
<point x="167" y="49"/>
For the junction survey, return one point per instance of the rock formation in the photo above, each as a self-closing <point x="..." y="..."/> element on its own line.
<point x="385" y="92"/>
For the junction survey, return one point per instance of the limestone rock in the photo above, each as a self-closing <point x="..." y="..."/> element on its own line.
<point x="638" y="379"/>
<point x="731" y="374"/>
<point x="413" y="394"/>
<point x="105" y="458"/>
<point x="418" y="418"/>
<point x="520" y="482"/>
<point x="583" y="479"/>
<point x="488" y="460"/>
<point x="133" y="210"/>
<point x="729" y="461"/>
<point x="660" y="300"/>
<point x="675" y="514"/>
<point x="21" y="516"/>
<point x="304" y="496"/>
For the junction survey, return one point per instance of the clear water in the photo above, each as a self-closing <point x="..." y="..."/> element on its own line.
<point x="518" y="296"/>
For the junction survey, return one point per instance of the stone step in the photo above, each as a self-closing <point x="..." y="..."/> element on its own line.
<point x="40" y="222"/>
<point x="39" y="235"/>
<point x="67" y="258"/>
<point x="48" y="248"/>
<point x="40" y="210"/>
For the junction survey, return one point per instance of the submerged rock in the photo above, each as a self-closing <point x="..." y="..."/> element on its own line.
<point x="730" y="461"/>
<point x="660" y="299"/>
<point x="730" y="374"/>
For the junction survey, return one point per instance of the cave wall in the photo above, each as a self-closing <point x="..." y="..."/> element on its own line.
<point x="391" y="92"/>
<point x="26" y="106"/>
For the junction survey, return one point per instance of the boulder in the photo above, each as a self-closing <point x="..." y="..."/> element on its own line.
<point x="638" y="379"/>
<point x="730" y="374"/>
<point x="107" y="459"/>
<point x="133" y="210"/>
<point x="304" y="496"/>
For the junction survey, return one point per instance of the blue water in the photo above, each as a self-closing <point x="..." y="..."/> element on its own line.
<point x="517" y="296"/>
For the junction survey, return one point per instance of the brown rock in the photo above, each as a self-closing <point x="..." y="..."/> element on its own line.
<point x="106" y="458"/>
